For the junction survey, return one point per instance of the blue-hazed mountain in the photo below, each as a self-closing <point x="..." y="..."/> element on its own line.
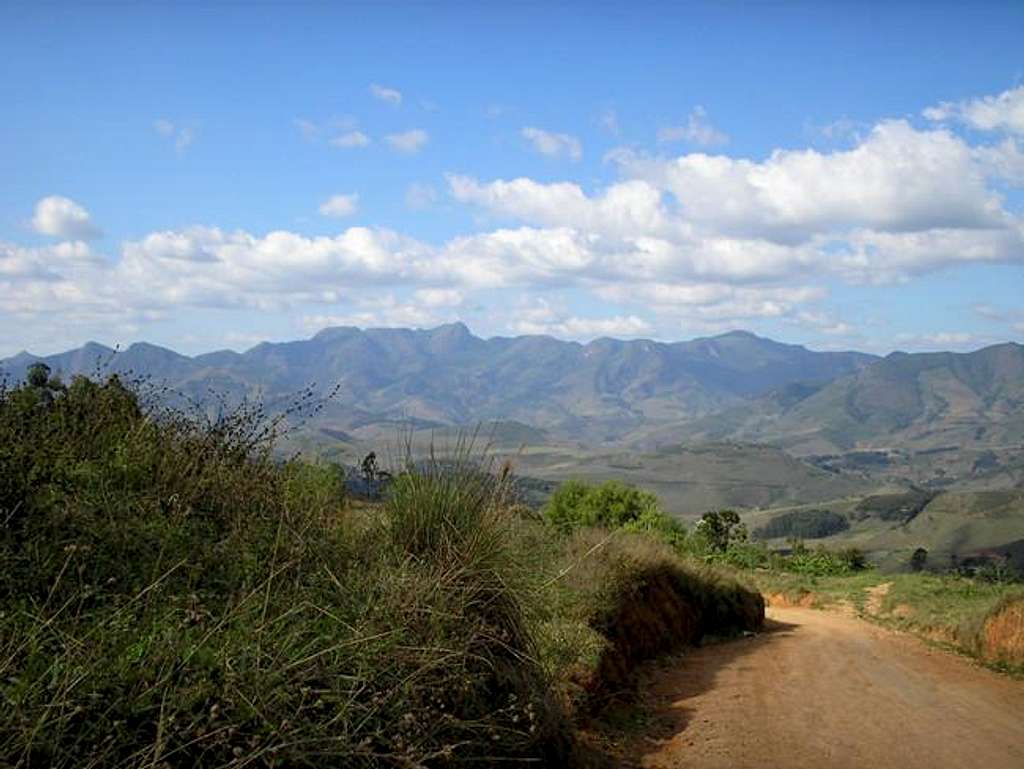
<point x="922" y="401"/>
<point x="598" y="391"/>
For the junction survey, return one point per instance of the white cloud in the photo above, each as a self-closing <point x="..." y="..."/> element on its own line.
<point x="385" y="94"/>
<point x="350" y="140"/>
<point x="378" y="312"/>
<point x="714" y="305"/>
<point x="1013" y="318"/>
<point x="824" y="323"/>
<point x="941" y="340"/>
<point x="697" y="130"/>
<point x="632" y="207"/>
<point x="1002" y="112"/>
<point x="896" y="179"/>
<point x="419" y="196"/>
<point x="64" y="218"/>
<point x="553" y="144"/>
<point x="439" y="297"/>
<point x="409" y="142"/>
<point x="340" y="205"/>
<point x="694" y="241"/>
<point x="182" y="136"/>
<point x="539" y="317"/>
<point x="343" y="132"/>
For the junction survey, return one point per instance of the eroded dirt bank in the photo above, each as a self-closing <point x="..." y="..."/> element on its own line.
<point x="822" y="690"/>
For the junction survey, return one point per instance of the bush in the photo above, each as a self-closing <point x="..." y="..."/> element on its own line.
<point x="611" y="505"/>
<point x="175" y="596"/>
<point x="719" y="529"/>
<point x="804" y="524"/>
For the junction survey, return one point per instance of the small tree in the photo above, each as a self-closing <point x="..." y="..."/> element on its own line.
<point x="919" y="559"/>
<point x="369" y="471"/>
<point x="38" y="375"/>
<point x="721" y="528"/>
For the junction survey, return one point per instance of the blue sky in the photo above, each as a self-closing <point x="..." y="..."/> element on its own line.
<point x="835" y="174"/>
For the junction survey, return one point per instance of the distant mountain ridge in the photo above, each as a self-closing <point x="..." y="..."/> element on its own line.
<point x="920" y="401"/>
<point x="601" y="391"/>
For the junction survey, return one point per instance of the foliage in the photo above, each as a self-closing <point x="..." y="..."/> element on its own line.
<point x="612" y="505"/>
<point x="719" y="529"/>
<point x="174" y="596"/>
<point x="803" y="524"/>
<point x="918" y="559"/>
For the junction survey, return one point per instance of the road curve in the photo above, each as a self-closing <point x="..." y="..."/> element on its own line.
<point x="821" y="690"/>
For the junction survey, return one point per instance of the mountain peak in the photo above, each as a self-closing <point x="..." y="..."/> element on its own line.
<point x="738" y="333"/>
<point x="334" y="332"/>
<point x="456" y="329"/>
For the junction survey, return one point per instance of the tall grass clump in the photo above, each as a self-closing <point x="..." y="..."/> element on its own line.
<point x="173" y="595"/>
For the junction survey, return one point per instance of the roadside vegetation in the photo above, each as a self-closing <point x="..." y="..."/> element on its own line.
<point x="175" y="595"/>
<point x="976" y="610"/>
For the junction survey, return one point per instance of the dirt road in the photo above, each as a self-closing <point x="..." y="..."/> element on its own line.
<point x="826" y="691"/>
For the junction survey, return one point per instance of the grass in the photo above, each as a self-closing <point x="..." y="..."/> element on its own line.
<point x="174" y="596"/>
<point x="945" y="609"/>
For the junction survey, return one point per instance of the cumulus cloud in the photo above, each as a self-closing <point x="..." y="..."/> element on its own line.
<point x="698" y="240"/>
<point x="350" y="140"/>
<point x="1002" y="112"/>
<point x="715" y="305"/>
<point x="697" y="130"/>
<point x="539" y="317"/>
<point x="340" y="205"/>
<point x="377" y="312"/>
<point x="64" y="218"/>
<point x="439" y="297"/>
<point x="633" y="207"/>
<point x="896" y="179"/>
<point x="553" y="145"/>
<point x="339" y="132"/>
<point x="181" y="136"/>
<point x="387" y="95"/>
<point x="409" y="142"/>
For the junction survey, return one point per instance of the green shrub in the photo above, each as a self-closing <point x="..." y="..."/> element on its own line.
<point x="175" y="596"/>
<point x="804" y="524"/>
<point x="717" y="530"/>
<point x="611" y="505"/>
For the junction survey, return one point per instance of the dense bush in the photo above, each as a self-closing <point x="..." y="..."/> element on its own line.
<point x="902" y="506"/>
<point x="175" y="596"/>
<point x="803" y="524"/>
<point x="612" y="505"/>
<point x="718" y="530"/>
<point x="799" y="560"/>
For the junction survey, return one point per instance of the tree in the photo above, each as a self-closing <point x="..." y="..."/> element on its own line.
<point x="919" y="559"/>
<point x="38" y="375"/>
<point x="721" y="528"/>
<point x="370" y="472"/>
<point x="613" y="504"/>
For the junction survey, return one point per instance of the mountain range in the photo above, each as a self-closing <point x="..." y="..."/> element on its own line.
<point x="924" y="402"/>
<point x="735" y="386"/>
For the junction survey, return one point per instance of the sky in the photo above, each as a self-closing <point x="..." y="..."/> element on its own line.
<point x="212" y="175"/>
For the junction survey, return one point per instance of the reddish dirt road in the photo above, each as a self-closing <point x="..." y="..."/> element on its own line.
<point x="821" y="690"/>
